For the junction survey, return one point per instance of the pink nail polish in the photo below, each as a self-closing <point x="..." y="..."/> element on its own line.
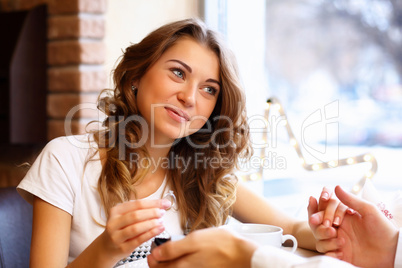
<point x="162" y="212"/>
<point x="166" y="203"/>
<point x="351" y="211"/>
<point x="337" y="220"/>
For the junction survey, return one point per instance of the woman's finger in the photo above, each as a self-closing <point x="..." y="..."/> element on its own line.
<point x="315" y="220"/>
<point x="312" y="206"/>
<point x="329" y="213"/>
<point x="333" y="244"/>
<point x="325" y="197"/>
<point x="340" y="214"/>
<point x="136" y="230"/>
<point x="137" y="216"/>
<point x="324" y="233"/>
<point x="128" y="206"/>
<point x="138" y="240"/>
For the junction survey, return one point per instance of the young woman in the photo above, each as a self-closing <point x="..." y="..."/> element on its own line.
<point x="176" y="121"/>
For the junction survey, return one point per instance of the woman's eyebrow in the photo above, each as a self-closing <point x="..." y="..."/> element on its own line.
<point x="188" y="68"/>
<point x="214" y="81"/>
<point x="184" y="65"/>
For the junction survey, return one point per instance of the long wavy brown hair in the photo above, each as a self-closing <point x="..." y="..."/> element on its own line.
<point x="205" y="193"/>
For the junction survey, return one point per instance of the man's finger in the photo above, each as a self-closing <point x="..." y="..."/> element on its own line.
<point x="172" y="250"/>
<point x="351" y="200"/>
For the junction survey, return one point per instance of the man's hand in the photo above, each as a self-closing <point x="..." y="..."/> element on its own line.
<point x="370" y="239"/>
<point x="213" y="247"/>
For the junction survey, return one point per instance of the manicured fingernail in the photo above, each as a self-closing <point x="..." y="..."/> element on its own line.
<point x="325" y="196"/>
<point x="327" y="223"/>
<point x="162" y="212"/>
<point x="336" y="221"/>
<point x="166" y="203"/>
<point x="351" y="211"/>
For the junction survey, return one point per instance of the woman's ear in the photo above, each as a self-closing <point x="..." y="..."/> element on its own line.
<point x="134" y="87"/>
<point x="134" y="83"/>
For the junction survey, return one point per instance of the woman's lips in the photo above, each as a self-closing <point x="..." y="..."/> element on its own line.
<point x="177" y="114"/>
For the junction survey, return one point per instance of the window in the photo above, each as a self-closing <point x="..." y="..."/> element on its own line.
<point x="336" y="68"/>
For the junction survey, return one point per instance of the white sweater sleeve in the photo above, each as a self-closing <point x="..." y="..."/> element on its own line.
<point x="267" y="257"/>
<point x="398" y="256"/>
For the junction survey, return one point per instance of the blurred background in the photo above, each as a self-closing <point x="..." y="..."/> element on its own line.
<point x="334" y="65"/>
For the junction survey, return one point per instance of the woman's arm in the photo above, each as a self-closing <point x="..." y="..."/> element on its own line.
<point x="50" y="235"/>
<point x="253" y="208"/>
<point x="129" y="225"/>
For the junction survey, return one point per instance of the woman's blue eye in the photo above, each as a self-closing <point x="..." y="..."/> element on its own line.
<point x="210" y="90"/>
<point x="179" y="73"/>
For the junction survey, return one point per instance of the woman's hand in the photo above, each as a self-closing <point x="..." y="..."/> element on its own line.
<point x="324" y="217"/>
<point x="132" y="223"/>
<point x="213" y="247"/>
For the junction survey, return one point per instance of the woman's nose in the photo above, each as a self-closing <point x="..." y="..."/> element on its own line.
<point x="187" y="95"/>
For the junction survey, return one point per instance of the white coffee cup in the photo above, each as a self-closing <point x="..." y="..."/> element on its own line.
<point x="262" y="234"/>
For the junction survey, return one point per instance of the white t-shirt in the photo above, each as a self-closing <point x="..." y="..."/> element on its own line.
<point x="63" y="177"/>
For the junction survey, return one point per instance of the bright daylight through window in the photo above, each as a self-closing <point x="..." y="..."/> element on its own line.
<point x="335" y="66"/>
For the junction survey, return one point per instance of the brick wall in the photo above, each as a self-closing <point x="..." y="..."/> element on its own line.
<point x="75" y="56"/>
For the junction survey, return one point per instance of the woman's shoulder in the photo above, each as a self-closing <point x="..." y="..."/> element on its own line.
<point x="84" y="141"/>
<point x="71" y="146"/>
<point x="73" y="142"/>
<point x="57" y="173"/>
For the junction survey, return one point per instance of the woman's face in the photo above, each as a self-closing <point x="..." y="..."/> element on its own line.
<point x="178" y="93"/>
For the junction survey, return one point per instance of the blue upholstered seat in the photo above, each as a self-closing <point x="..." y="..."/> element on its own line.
<point x="15" y="229"/>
